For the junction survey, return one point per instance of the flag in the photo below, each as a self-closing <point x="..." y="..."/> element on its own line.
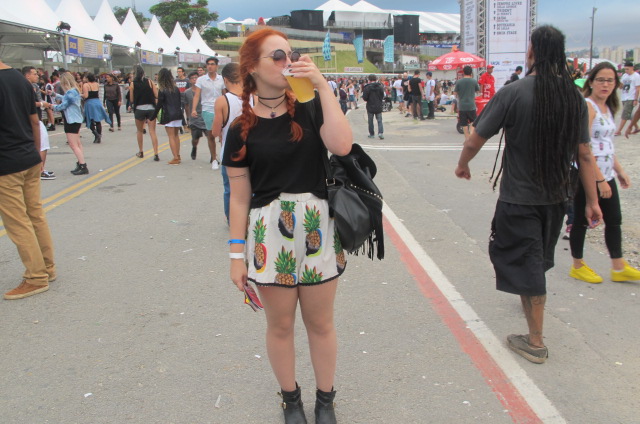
<point x="326" y="47"/>
<point x="388" y="49"/>
<point x="359" y="45"/>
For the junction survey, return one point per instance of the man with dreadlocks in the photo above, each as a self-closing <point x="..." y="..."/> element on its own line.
<point x="545" y="124"/>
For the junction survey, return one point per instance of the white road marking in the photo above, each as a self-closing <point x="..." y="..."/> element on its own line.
<point x="536" y="399"/>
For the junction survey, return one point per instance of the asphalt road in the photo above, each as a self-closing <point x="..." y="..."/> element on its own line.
<point x="144" y="326"/>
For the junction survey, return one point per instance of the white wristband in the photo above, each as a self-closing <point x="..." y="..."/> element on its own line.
<point x="236" y="256"/>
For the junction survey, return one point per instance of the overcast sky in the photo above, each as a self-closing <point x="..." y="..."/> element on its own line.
<point x="616" y="21"/>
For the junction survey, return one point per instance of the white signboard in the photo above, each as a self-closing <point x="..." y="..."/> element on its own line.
<point x="470" y="27"/>
<point x="507" y="36"/>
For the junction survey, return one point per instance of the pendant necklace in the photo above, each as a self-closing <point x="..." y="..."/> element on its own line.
<point x="273" y="109"/>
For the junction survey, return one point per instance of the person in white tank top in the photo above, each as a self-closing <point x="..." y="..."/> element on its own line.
<point x="602" y="102"/>
<point x="226" y="109"/>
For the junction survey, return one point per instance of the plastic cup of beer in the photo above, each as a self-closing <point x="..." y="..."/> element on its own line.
<point x="302" y="87"/>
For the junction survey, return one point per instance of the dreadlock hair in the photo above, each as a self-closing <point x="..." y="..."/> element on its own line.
<point x="249" y="58"/>
<point x="556" y="111"/>
<point x="612" y="101"/>
<point x="165" y="81"/>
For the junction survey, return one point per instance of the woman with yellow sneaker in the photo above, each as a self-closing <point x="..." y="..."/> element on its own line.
<point x="602" y="101"/>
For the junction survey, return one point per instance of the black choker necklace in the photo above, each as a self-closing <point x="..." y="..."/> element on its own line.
<point x="272" y="98"/>
<point x="273" y="108"/>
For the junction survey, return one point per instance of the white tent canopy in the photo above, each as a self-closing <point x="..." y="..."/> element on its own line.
<point x="363" y="6"/>
<point x="159" y="38"/>
<point x="133" y="30"/>
<point x="74" y="13"/>
<point x="31" y="13"/>
<point x="107" y="22"/>
<point x="179" y="39"/>
<point x="197" y="42"/>
<point x="330" y="6"/>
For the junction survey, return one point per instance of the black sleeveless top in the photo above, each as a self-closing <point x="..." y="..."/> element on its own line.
<point x="93" y="95"/>
<point x="143" y="93"/>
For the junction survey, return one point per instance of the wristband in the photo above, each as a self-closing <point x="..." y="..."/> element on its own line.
<point x="236" y="241"/>
<point x="236" y="256"/>
<point x="599" y="181"/>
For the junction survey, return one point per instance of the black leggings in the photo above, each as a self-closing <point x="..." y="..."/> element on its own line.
<point x="112" y="107"/>
<point x="612" y="216"/>
<point x="96" y="127"/>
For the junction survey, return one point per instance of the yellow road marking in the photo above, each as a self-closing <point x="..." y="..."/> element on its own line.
<point x="96" y="180"/>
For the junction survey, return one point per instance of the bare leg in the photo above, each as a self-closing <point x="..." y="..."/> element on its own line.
<point x="139" y="128"/>
<point x="280" y="308"/>
<point x="621" y="127"/>
<point x="316" y="305"/>
<point x="174" y="141"/>
<point x="534" y="312"/>
<point x="76" y="146"/>
<point x="211" y="140"/>
<point x="154" y="136"/>
<point x="43" y="158"/>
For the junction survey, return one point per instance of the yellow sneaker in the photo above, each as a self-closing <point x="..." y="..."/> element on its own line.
<point x="584" y="273"/>
<point x="628" y="273"/>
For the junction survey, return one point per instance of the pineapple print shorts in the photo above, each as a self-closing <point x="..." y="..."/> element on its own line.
<point x="292" y="242"/>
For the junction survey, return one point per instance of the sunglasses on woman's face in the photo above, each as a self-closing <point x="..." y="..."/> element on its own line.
<point x="279" y="55"/>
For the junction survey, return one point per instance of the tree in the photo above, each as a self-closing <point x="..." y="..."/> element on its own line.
<point x="189" y="15"/>
<point x="211" y="35"/>
<point x="121" y="13"/>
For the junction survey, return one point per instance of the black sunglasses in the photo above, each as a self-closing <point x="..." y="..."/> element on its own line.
<point x="280" y="55"/>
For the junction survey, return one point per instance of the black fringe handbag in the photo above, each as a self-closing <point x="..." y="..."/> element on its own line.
<point x="355" y="202"/>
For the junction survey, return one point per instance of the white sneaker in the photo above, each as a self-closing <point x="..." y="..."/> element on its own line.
<point x="215" y="165"/>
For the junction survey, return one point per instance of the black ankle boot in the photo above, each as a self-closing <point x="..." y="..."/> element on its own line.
<point x="292" y="407"/>
<point x="98" y="137"/>
<point x="82" y="171"/>
<point x="325" y="412"/>
<point x="194" y="152"/>
<point x="77" y="168"/>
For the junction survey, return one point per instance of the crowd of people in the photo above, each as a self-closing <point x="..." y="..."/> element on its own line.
<point x="281" y="236"/>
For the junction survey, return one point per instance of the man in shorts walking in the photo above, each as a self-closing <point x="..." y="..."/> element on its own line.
<point x="196" y="123"/>
<point x="466" y="89"/>
<point x="545" y="122"/>
<point x="207" y="89"/>
<point x="630" y="82"/>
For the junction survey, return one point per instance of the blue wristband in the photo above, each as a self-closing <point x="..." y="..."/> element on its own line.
<point x="236" y="241"/>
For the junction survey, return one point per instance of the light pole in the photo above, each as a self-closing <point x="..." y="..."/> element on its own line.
<point x="63" y="29"/>
<point x="593" y="15"/>
<point x="108" y="38"/>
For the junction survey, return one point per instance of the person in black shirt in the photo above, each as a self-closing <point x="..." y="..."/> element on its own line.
<point x="417" y="94"/>
<point x="20" y="205"/>
<point x="373" y="94"/>
<point x="273" y="154"/>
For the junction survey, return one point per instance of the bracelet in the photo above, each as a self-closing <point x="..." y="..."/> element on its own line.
<point x="236" y="256"/>
<point x="599" y="181"/>
<point x="236" y="241"/>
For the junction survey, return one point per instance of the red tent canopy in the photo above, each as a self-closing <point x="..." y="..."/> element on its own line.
<point x="456" y="59"/>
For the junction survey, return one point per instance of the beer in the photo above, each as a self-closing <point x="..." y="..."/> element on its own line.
<point x="302" y="87"/>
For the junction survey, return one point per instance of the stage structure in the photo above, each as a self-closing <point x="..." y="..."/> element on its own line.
<point x="498" y="30"/>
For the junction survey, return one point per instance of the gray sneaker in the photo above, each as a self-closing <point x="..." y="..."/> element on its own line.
<point x="519" y="343"/>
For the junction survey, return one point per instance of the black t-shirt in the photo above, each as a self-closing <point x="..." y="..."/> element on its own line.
<point x="277" y="164"/>
<point x="512" y="109"/>
<point x="17" y="102"/>
<point x="414" y="83"/>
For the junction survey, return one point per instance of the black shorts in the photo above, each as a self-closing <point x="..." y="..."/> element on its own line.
<point x="522" y="244"/>
<point x="142" y="115"/>
<point x="466" y="117"/>
<point x="197" y="132"/>
<point x="72" y="128"/>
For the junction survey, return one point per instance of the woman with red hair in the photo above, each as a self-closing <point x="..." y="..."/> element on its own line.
<point x="273" y="156"/>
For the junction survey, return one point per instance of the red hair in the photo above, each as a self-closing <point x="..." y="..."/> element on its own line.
<point x="249" y="58"/>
